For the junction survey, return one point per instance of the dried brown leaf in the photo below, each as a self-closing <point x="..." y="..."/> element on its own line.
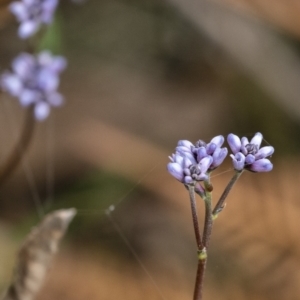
<point x="36" y="254"/>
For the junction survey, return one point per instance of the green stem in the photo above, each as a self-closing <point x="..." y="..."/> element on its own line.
<point x="220" y="205"/>
<point x="20" y="148"/>
<point x="208" y="221"/>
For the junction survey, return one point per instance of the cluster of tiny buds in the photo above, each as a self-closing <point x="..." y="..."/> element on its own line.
<point x="193" y="162"/>
<point x="32" y="14"/>
<point x="34" y="79"/>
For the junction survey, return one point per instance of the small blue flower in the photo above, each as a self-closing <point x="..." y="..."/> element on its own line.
<point x="248" y="155"/>
<point x="213" y="149"/>
<point x="34" y="81"/>
<point x="187" y="170"/>
<point x="192" y="162"/>
<point x="32" y="14"/>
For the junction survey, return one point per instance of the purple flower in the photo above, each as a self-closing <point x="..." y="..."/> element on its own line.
<point x="34" y="81"/>
<point x="192" y="162"/>
<point x="248" y="155"/>
<point x="213" y="149"/>
<point x="187" y="170"/>
<point x="32" y="14"/>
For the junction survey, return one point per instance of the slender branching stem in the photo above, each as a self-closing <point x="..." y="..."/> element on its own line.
<point x="200" y="276"/>
<point x="195" y="217"/>
<point x="208" y="221"/>
<point x="220" y="205"/>
<point x="202" y="253"/>
<point x="20" y="148"/>
<point x="201" y="249"/>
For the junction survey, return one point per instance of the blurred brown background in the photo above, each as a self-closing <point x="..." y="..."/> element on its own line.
<point x="143" y="74"/>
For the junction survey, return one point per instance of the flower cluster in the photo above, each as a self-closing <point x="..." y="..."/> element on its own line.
<point x="34" y="81"/>
<point x="248" y="155"/>
<point x="32" y="14"/>
<point x="193" y="162"/>
<point x="192" y="165"/>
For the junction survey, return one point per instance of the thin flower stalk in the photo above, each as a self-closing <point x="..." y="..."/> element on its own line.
<point x="195" y="217"/>
<point x="220" y="204"/>
<point x="208" y="221"/>
<point x="198" y="290"/>
<point x="15" y="156"/>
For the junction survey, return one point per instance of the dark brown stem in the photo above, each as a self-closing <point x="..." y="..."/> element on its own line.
<point x="200" y="279"/>
<point x="220" y="205"/>
<point x="195" y="217"/>
<point x="20" y="148"/>
<point x="202" y="253"/>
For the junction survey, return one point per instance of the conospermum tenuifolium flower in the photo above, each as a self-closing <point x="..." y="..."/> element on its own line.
<point x="248" y="155"/>
<point x="34" y="81"/>
<point x="31" y="14"/>
<point x="192" y="164"/>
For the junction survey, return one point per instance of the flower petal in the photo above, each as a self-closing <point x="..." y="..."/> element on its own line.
<point x="211" y="147"/>
<point x="188" y="155"/>
<point x="47" y="80"/>
<point x="201" y="177"/>
<point x="48" y="9"/>
<point x="188" y="179"/>
<point x="257" y="139"/>
<point x="244" y="142"/>
<point x="187" y="162"/>
<point x="234" y="143"/>
<point x="29" y="2"/>
<point x="205" y="163"/>
<point x="28" y="97"/>
<point x="201" y="153"/>
<point x="41" y="110"/>
<point x="23" y="65"/>
<point x="218" y="157"/>
<point x="12" y="84"/>
<point x="238" y="161"/>
<point x="218" y="140"/>
<point x="59" y="63"/>
<point x="250" y="159"/>
<point x="264" y="152"/>
<point x="183" y="149"/>
<point x="19" y="10"/>
<point x="28" y="28"/>
<point x="176" y="171"/>
<point x="185" y="143"/>
<point x="261" y="165"/>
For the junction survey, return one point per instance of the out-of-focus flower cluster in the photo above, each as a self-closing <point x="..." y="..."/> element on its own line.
<point x="194" y="162"/>
<point x="34" y="81"/>
<point x="32" y="14"/>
